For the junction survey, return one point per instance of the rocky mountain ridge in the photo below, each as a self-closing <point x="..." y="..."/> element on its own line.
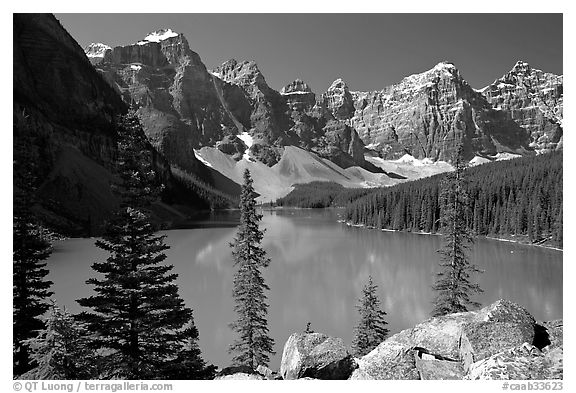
<point x="426" y="115"/>
<point x="186" y="106"/>
<point x="535" y="101"/>
<point x="68" y="112"/>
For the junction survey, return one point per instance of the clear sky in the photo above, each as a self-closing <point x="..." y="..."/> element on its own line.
<point x="368" y="51"/>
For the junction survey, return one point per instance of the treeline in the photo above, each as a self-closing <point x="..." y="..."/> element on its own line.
<point x="319" y="194"/>
<point x="216" y="199"/>
<point x="516" y="197"/>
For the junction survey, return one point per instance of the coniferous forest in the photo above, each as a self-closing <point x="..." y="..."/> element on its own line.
<point x="520" y="197"/>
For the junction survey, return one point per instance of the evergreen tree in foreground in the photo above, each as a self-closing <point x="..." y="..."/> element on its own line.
<point x="139" y="321"/>
<point x="370" y="331"/>
<point x="30" y="250"/>
<point x="253" y="344"/>
<point x="61" y="350"/>
<point x="454" y="284"/>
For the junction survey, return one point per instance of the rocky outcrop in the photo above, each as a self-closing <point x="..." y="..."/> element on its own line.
<point x="390" y="360"/>
<point x="535" y="101"/>
<point x="339" y="101"/>
<point x="498" y="340"/>
<point x="315" y="355"/>
<point x="298" y="96"/>
<point x="96" y="51"/>
<point x="521" y="362"/>
<point x="426" y="115"/>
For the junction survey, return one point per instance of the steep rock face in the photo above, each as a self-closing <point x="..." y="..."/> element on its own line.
<point x="339" y="101"/>
<point x="181" y="105"/>
<point x="535" y="101"/>
<point x="269" y="122"/>
<point x="427" y="114"/>
<point x="298" y="96"/>
<point x="292" y="117"/>
<point x="69" y="111"/>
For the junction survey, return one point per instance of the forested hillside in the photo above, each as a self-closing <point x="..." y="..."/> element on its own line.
<point x="320" y="194"/>
<point x="520" y="197"/>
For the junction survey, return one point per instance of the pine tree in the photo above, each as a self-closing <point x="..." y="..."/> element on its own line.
<point x="253" y="344"/>
<point x="371" y="330"/>
<point x="139" y="321"/>
<point x="453" y="285"/>
<point x="30" y="248"/>
<point x="60" y="351"/>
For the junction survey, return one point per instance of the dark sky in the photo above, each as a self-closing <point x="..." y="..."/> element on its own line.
<point x="368" y="51"/>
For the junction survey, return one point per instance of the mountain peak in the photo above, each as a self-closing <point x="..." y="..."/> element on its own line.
<point x="158" y="36"/>
<point x="96" y="49"/>
<point x="521" y="67"/>
<point x="444" y="65"/>
<point x="338" y="84"/>
<point x="296" y="87"/>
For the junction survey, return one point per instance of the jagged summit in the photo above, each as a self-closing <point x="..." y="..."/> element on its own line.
<point x="521" y="66"/>
<point x="158" y="35"/>
<point x="296" y="87"/>
<point x="338" y="84"/>
<point x="96" y="49"/>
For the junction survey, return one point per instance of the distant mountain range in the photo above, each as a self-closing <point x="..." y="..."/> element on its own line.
<point x="210" y="124"/>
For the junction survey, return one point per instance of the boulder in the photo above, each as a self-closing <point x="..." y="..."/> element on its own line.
<point x="315" y="355"/>
<point x="432" y="368"/>
<point x="484" y="339"/>
<point x="505" y="311"/>
<point x="439" y="335"/>
<point x="522" y="362"/>
<point x="389" y="360"/>
<point x="265" y="371"/>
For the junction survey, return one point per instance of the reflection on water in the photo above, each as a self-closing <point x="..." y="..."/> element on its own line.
<point x="317" y="272"/>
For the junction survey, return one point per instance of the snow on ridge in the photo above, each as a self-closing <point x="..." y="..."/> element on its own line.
<point x="248" y="141"/>
<point x="294" y="92"/>
<point x="201" y="159"/>
<point x="157" y="36"/>
<point x="160" y="35"/>
<point x="97" y="49"/>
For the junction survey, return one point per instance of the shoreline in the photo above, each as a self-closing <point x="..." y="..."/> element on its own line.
<point x="349" y="224"/>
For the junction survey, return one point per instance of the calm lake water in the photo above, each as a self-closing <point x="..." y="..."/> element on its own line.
<point x="318" y="269"/>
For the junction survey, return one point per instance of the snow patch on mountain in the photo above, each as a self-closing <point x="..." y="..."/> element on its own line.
<point x="158" y="36"/>
<point x="408" y="159"/>
<point x="477" y="160"/>
<point x="202" y="159"/>
<point x="248" y="141"/>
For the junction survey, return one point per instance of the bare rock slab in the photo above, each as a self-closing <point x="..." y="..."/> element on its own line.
<point x="315" y="355"/>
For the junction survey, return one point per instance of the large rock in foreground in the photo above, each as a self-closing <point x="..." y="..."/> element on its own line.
<point x="522" y="362"/>
<point x="315" y="355"/>
<point x="389" y="360"/>
<point x="500" y="339"/>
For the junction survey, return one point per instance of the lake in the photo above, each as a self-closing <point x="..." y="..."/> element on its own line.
<point x="318" y="269"/>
